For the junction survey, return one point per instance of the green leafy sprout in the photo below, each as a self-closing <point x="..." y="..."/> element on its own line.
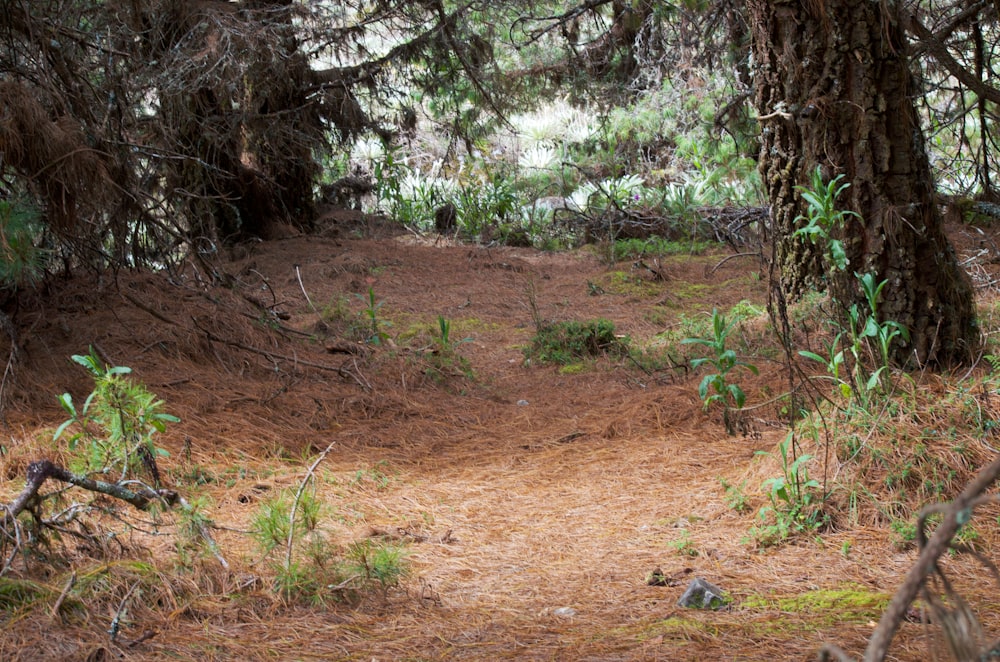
<point x="716" y="386"/>
<point x="117" y="421"/>
<point x="822" y="216"/>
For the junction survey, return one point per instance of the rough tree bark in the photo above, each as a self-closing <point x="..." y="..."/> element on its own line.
<point x="833" y="89"/>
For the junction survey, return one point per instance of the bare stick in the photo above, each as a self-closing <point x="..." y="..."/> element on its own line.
<point x="206" y="534"/>
<point x="302" y="287"/>
<point x="9" y="517"/>
<point x="62" y="596"/>
<point x="115" y="622"/>
<point x="730" y="257"/>
<point x="295" y="504"/>
<point x="267" y="354"/>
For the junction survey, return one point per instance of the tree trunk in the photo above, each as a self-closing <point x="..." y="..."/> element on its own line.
<point x="833" y="89"/>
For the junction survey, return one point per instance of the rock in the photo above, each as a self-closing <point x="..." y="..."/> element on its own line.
<point x="564" y="611"/>
<point x="701" y="594"/>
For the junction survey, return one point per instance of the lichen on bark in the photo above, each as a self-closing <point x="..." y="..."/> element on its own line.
<point x="833" y="89"/>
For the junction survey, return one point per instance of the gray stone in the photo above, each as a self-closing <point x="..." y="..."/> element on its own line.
<point x="701" y="594"/>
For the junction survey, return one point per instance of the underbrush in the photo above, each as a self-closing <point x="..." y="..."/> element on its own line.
<point x="570" y="341"/>
<point x="921" y="446"/>
<point x="125" y="535"/>
<point x="844" y="466"/>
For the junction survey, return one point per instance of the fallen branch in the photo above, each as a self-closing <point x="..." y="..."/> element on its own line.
<point x="271" y="355"/>
<point x="406" y="534"/>
<point x="39" y="472"/>
<point x="141" y="499"/>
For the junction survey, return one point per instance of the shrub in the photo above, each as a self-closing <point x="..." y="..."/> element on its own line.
<point x="569" y="341"/>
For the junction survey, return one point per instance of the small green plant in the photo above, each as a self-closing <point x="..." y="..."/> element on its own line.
<point x="443" y="342"/>
<point x="270" y="524"/>
<point x="117" y="422"/>
<point x="883" y="334"/>
<point x="833" y="361"/>
<point x="377" y="563"/>
<point x="736" y="497"/>
<point x="569" y="341"/>
<point x="795" y="499"/>
<point x="443" y="358"/>
<point x="904" y="533"/>
<point x="337" y="309"/>
<point x="869" y="344"/>
<point x="822" y="216"/>
<point x="375" y="476"/>
<point x="376" y="326"/>
<point x="715" y="386"/>
<point x="308" y="571"/>
<point x="683" y="545"/>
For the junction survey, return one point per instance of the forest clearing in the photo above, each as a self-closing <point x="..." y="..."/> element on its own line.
<point x="532" y="502"/>
<point x="609" y="330"/>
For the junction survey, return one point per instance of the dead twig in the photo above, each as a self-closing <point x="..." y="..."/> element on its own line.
<point x="205" y="533"/>
<point x="116" y="621"/>
<point x="62" y="596"/>
<point x="272" y="356"/>
<point x="10" y="522"/>
<point x="298" y="497"/>
<point x="730" y="257"/>
<point x="298" y="276"/>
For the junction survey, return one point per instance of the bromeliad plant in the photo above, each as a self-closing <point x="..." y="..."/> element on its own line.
<point x="716" y="386"/>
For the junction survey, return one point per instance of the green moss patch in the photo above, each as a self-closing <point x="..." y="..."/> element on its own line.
<point x="850" y="604"/>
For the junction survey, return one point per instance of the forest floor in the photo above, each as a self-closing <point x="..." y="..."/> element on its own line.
<point x="534" y="500"/>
